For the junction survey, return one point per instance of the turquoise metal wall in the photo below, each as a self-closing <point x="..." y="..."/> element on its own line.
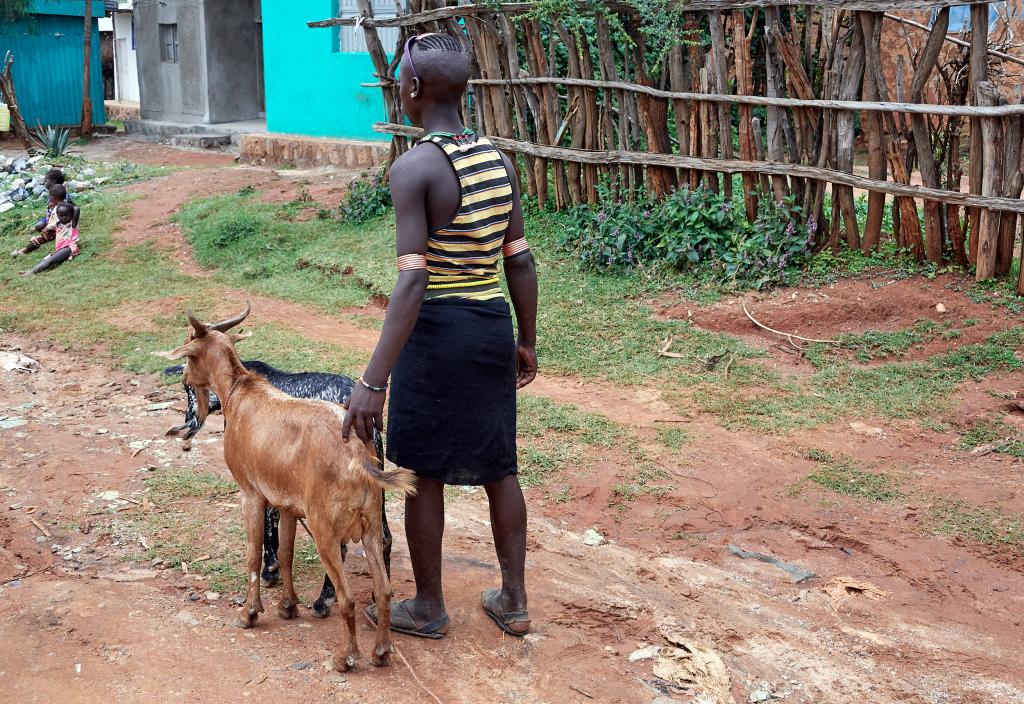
<point x="311" y="88"/>
<point x="48" y="65"/>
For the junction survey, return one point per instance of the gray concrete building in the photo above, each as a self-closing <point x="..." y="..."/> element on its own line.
<point x="200" y="61"/>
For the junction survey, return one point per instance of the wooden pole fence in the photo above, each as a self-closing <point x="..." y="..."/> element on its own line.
<point x="781" y="96"/>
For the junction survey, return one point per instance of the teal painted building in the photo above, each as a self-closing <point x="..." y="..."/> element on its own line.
<point x="313" y="76"/>
<point x="47" y="49"/>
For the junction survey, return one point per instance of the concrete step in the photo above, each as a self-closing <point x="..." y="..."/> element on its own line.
<point x="201" y="140"/>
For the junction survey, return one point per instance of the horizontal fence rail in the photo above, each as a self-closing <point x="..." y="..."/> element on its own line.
<point x="734" y="166"/>
<point x="857" y="105"/>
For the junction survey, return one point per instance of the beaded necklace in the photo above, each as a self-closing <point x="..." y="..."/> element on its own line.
<point x="463" y="140"/>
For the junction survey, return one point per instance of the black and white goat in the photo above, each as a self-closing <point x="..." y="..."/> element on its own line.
<point x="335" y="388"/>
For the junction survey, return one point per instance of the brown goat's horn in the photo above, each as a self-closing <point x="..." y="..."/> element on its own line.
<point x="198" y="326"/>
<point x="227" y="324"/>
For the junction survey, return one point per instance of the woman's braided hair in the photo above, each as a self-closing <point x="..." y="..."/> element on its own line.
<point x="439" y="41"/>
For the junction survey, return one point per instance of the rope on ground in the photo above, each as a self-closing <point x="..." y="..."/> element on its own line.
<point x="406" y="663"/>
<point x="307" y="529"/>
<point x="787" y="335"/>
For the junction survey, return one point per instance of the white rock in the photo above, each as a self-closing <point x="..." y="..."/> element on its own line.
<point x="648" y="653"/>
<point x="212" y="596"/>
<point x="108" y="495"/>
<point x="187" y="618"/>
<point x="591" y="537"/>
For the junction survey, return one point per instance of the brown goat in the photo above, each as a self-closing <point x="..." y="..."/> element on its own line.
<point x="288" y="452"/>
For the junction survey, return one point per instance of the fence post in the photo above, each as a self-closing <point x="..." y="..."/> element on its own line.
<point x="991" y="179"/>
<point x="976" y="74"/>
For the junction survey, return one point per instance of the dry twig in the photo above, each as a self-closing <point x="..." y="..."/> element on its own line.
<point x="40" y="526"/>
<point x="406" y="663"/>
<point x="789" y="336"/>
<point x="664" y="351"/>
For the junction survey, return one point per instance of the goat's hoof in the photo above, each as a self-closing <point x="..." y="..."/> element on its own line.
<point x="381" y="656"/>
<point x="321" y="609"/>
<point x="247" y="618"/>
<point x="287" y="609"/>
<point x="270" y="579"/>
<point x="343" y="664"/>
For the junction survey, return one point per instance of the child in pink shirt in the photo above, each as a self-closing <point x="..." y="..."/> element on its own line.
<point x="66" y="240"/>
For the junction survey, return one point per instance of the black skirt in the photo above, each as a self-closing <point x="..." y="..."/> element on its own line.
<point x="452" y="413"/>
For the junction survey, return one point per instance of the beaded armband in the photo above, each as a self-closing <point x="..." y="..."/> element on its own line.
<point x="511" y="249"/>
<point x="407" y="262"/>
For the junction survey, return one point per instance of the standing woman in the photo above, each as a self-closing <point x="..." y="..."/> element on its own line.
<point x="448" y="342"/>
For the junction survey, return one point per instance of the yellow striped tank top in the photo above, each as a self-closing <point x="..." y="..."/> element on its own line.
<point x="462" y="256"/>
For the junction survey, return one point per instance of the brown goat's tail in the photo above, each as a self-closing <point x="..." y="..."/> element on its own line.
<point x="401" y="480"/>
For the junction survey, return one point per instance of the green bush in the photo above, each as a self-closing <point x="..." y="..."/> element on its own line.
<point x="366" y="199"/>
<point x="691" y="230"/>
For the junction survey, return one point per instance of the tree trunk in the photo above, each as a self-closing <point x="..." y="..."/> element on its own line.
<point x="87" y="51"/>
<point x="11" y="98"/>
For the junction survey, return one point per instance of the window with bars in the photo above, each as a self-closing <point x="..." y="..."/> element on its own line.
<point x="169" y="43"/>
<point x="352" y="39"/>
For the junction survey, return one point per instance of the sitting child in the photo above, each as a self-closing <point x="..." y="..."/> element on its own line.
<point x="55" y="177"/>
<point x="66" y="236"/>
<point x="47" y="226"/>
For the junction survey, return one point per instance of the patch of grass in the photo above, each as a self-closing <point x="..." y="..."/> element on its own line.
<point x="564" y="496"/>
<point x="1007" y="439"/>
<point x="689" y="539"/>
<point x="256" y="245"/>
<point x="538" y="459"/>
<point x="171" y="485"/>
<point x="537" y="415"/>
<point x="890" y="390"/>
<point x="367" y="322"/>
<point x="842" y="476"/>
<point x="646" y="481"/>
<point x="933" y="425"/>
<point x="673" y="438"/>
<point x="988" y="526"/>
<point x="874" y="344"/>
<point x="225" y="577"/>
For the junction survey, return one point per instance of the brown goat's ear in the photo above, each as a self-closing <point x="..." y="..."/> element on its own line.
<point x="239" y="336"/>
<point x="183" y="351"/>
<point x="198" y="326"/>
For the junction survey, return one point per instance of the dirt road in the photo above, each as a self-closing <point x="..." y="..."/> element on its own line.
<point x="93" y="620"/>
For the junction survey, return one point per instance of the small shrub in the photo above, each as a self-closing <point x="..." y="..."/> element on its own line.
<point x="366" y="199"/>
<point x="697" y="230"/>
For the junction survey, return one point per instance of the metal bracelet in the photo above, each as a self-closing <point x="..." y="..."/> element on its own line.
<point x="375" y="389"/>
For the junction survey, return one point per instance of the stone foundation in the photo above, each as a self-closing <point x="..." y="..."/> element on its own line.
<point x="121" y="110"/>
<point x="274" y="149"/>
